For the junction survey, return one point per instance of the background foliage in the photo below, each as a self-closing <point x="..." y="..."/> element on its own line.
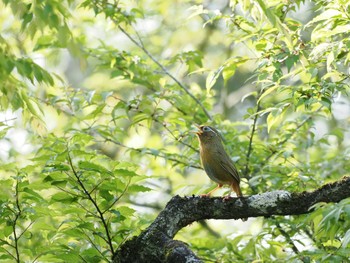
<point x="98" y="98"/>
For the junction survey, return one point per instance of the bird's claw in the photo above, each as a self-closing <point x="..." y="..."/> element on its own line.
<point x="226" y="198"/>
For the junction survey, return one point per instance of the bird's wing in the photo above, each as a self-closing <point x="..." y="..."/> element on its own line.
<point x="228" y="166"/>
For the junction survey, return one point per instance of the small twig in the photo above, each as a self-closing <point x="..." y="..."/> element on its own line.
<point x="83" y="259"/>
<point x="94" y="245"/>
<point x="312" y="237"/>
<point x="96" y="186"/>
<point x="154" y="206"/>
<point x="10" y="254"/>
<point x="287" y="237"/>
<point x="7" y="243"/>
<point x="25" y="230"/>
<point x="211" y="231"/>
<point x="118" y="198"/>
<point x="38" y="256"/>
<point x="68" y="192"/>
<point x="178" y="139"/>
<point x="87" y="210"/>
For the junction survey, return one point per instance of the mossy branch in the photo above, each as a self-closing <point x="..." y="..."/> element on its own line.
<point x="156" y="244"/>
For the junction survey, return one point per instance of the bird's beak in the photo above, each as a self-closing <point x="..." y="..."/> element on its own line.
<point x="199" y="131"/>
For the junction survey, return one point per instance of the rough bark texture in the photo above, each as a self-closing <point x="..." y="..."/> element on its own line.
<point x="156" y="244"/>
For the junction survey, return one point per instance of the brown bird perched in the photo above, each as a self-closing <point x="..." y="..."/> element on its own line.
<point x="216" y="162"/>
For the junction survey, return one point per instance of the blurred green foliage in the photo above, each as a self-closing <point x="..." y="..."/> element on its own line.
<point x="98" y="100"/>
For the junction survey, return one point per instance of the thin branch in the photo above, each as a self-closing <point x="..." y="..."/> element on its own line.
<point x="142" y="150"/>
<point x="140" y="45"/>
<point x="83" y="259"/>
<point x="87" y="210"/>
<point x="163" y="68"/>
<point x="100" y="236"/>
<point x="211" y="231"/>
<point x="7" y="243"/>
<point x="17" y="215"/>
<point x="94" y="245"/>
<point x="178" y="139"/>
<point x="154" y="206"/>
<point x="319" y="245"/>
<point x="68" y="192"/>
<point x="25" y="230"/>
<point x="118" y="198"/>
<point x="163" y="123"/>
<point x="287" y="237"/>
<point x="250" y="147"/>
<point x="38" y="256"/>
<point x="96" y="186"/>
<point x="86" y="192"/>
<point x="10" y="254"/>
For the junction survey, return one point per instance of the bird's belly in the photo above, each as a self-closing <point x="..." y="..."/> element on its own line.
<point x="219" y="176"/>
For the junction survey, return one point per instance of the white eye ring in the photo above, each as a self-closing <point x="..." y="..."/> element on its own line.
<point x="208" y="129"/>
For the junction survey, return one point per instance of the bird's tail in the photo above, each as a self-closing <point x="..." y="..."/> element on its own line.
<point x="235" y="187"/>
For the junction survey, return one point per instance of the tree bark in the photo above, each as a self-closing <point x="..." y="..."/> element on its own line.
<point x="156" y="244"/>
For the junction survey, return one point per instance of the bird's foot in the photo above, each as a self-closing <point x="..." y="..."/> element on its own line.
<point x="205" y="195"/>
<point x="226" y="198"/>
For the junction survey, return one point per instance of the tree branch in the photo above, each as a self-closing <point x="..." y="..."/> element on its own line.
<point x="156" y="244"/>
<point x="140" y="45"/>
<point x="108" y="240"/>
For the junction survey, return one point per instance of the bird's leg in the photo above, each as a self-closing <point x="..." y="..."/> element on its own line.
<point x="212" y="191"/>
<point x="228" y="196"/>
<point x="234" y="187"/>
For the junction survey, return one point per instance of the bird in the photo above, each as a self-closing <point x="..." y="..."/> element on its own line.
<point x="216" y="162"/>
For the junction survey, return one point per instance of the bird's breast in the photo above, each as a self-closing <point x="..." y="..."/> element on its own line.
<point x="211" y="164"/>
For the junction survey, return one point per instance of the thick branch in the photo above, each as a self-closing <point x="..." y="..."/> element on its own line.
<point x="155" y="243"/>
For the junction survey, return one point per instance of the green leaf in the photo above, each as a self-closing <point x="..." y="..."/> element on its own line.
<point x="212" y="78"/>
<point x="267" y="92"/>
<point x="275" y="117"/>
<point x="325" y="15"/>
<point x="90" y="166"/>
<point x="126" y="211"/>
<point x="32" y="105"/>
<point x="276" y="22"/>
<point x="140" y="117"/>
<point x="228" y="72"/>
<point x="63" y="198"/>
<point x="346" y="239"/>
<point x="125" y="172"/>
<point x="291" y="61"/>
<point x="54" y="167"/>
<point x="138" y="188"/>
<point x="30" y="194"/>
<point x="196" y="10"/>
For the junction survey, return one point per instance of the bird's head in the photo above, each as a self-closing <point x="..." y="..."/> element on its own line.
<point x="208" y="134"/>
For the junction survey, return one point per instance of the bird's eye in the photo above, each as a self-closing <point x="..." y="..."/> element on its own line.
<point x="206" y="129"/>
